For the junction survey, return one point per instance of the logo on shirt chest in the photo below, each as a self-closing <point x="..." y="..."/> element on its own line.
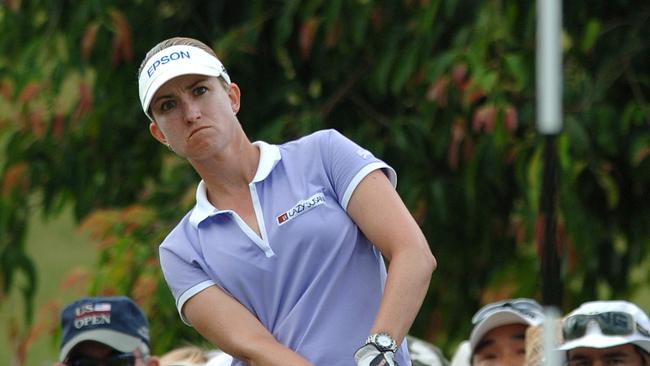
<point x="300" y="208"/>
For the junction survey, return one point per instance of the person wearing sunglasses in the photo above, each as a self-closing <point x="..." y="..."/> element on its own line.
<point x="104" y="331"/>
<point x="611" y="333"/>
<point x="498" y="335"/>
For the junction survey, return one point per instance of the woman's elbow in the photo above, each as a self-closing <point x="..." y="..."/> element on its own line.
<point x="432" y="262"/>
<point x="429" y="260"/>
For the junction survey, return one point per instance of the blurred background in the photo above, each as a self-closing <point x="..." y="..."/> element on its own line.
<point x="442" y="90"/>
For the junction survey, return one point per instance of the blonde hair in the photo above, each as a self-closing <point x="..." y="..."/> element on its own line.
<point x="187" y="355"/>
<point x="175" y="41"/>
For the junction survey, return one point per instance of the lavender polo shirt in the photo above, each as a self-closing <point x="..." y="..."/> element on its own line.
<point x="312" y="278"/>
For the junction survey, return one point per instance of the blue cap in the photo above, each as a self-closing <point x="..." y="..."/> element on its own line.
<point x="115" y="321"/>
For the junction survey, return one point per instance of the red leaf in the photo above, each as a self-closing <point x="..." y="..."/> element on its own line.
<point x="76" y="278"/>
<point x="420" y="211"/>
<point x="457" y="135"/>
<point x="14" y="5"/>
<point x="6" y="89"/>
<point x="468" y="149"/>
<point x="511" y="119"/>
<point x="518" y="229"/>
<point x="332" y="35"/>
<point x="472" y="93"/>
<point x="122" y="44"/>
<point x="307" y="32"/>
<point x="641" y="155"/>
<point x="484" y="118"/>
<point x="438" y="91"/>
<point x="459" y="76"/>
<point x="36" y="122"/>
<point x="29" y="91"/>
<point x="85" y="100"/>
<point x="15" y="177"/>
<point x="88" y="40"/>
<point x="376" y="18"/>
<point x="511" y="154"/>
<point x="144" y="288"/>
<point x="58" y="125"/>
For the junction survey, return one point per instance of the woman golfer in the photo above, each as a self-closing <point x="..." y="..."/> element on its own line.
<point x="280" y="260"/>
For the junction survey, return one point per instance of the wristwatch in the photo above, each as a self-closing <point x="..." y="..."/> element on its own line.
<point x="383" y="341"/>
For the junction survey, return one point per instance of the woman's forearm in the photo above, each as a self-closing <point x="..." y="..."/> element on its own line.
<point x="230" y="326"/>
<point x="271" y="353"/>
<point x="409" y="275"/>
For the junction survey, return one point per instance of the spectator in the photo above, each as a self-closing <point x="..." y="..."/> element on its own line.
<point x="424" y="353"/>
<point x="218" y="358"/>
<point x="186" y="356"/>
<point x="606" y="333"/>
<point x="195" y="356"/>
<point x="498" y="335"/>
<point x="105" y="331"/>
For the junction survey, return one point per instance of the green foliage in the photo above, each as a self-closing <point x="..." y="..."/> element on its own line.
<point x="442" y="90"/>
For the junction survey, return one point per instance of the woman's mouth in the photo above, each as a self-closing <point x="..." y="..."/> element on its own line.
<point x="195" y="131"/>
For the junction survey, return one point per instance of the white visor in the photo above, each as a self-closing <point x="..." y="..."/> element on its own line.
<point x="172" y="62"/>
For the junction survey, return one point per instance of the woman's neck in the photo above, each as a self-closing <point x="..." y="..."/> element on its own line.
<point x="228" y="174"/>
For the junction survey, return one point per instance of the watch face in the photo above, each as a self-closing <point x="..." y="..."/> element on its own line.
<point x="384" y="341"/>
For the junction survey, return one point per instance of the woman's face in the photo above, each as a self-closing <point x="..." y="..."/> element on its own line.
<point x="195" y="115"/>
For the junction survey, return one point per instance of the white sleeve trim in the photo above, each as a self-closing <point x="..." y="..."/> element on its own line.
<point x="188" y="294"/>
<point x="390" y="172"/>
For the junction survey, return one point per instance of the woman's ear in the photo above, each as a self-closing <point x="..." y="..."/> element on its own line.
<point x="235" y="97"/>
<point x="157" y="133"/>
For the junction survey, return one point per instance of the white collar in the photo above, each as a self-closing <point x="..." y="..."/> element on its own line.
<point x="269" y="157"/>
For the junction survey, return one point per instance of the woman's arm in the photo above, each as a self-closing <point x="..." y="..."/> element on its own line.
<point x="228" y="324"/>
<point x="381" y="215"/>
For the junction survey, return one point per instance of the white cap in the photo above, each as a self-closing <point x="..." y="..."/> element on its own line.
<point x="594" y="338"/>
<point x="462" y="355"/>
<point x="172" y="62"/>
<point x="219" y="358"/>
<point x="494" y="315"/>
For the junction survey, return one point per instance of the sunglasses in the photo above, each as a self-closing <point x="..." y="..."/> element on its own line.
<point x="120" y="359"/>
<point x="610" y="323"/>
<point x="526" y="307"/>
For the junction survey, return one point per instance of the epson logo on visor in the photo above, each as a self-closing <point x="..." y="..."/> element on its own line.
<point x="176" y="55"/>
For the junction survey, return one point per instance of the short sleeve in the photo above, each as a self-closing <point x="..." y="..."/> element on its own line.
<point x="348" y="163"/>
<point x="184" y="278"/>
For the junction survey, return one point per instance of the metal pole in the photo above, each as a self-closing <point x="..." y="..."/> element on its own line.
<point x="549" y="257"/>
<point x="549" y="123"/>
<point x="549" y="67"/>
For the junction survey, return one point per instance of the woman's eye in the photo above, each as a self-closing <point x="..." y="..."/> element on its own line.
<point x="167" y="105"/>
<point x="200" y="90"/>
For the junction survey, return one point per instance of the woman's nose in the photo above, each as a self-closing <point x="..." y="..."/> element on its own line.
<point x="191" y="112"/>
